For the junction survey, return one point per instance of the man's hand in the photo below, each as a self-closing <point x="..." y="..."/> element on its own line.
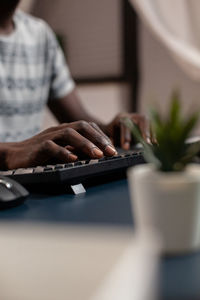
<point x="70" y="108"/>
<point x="120" y="133"/>
<point x="59" y="143"/>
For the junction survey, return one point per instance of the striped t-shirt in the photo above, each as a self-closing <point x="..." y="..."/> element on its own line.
<point x="32" y="71"/>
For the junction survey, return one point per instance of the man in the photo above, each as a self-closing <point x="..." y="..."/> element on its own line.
<point x="33" y="73"/>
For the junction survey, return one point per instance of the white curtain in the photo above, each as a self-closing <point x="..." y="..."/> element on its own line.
<point x="176" y="23"/>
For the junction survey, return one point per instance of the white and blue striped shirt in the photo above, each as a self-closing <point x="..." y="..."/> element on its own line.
<point x="32" y="71"/>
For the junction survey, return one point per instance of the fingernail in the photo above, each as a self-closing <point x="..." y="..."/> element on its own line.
<point x="148" y="140"/>
<point x="72" y="157"/>
<point x="97" y="152"/>
<point x="110" y="150"/>
<point x="126" y="146"/>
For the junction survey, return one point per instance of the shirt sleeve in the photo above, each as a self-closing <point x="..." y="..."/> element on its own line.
<point x="61" y="82"/>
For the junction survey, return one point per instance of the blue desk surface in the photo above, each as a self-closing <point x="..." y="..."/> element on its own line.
<point x="109" y="204"/>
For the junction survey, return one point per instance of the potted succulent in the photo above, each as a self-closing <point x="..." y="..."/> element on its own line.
<point x="165" y="192"/>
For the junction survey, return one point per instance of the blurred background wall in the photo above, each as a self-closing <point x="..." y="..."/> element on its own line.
<point x="158" y="72"/>
<point x="91" y="33"/>
<point x="26" y="5"/>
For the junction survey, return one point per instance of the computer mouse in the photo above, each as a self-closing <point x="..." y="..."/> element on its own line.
<point x="11" y="193"/>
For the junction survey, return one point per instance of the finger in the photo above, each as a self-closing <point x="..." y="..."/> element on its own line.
<point x="44" y="134"/>
<point x="70" y="148"/>
<point x="152" y="135"/>
<point x="143" y="125"/>
<point x="125" y="136"/>
<point x="71" y="137"/>
<point x="93" y="133"/>
<point x="49" y="150"/>
<point x="96" y="127"/>
<point x="110" y="141"/>
<point x="98" y="138"/>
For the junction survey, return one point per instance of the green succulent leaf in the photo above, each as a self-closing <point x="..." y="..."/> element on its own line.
<point x="148" y="148"/>
<point x="175" y="108"/>
<point x="171" y="152"/>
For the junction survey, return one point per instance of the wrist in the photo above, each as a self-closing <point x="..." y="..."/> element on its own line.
<point x="4" y="148"/>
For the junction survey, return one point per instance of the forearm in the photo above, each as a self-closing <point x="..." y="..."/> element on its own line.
<point x="70" y="109"/>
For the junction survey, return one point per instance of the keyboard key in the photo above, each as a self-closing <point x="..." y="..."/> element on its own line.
<point x="50" y="166"/>
<point x="102" y="159"/>
<point x="107" y="158"/>
<point x="78" y="163"/>
<point x="58" y="168"/>
<point x="93" y="161"/>
<point x="46" y="169"/>
<point x="23" y="171"/>
<point x="134" y="154"/>
<point x="7" y="173"/>
<point x="38" y="169"/>
<point x="112" y="157"/>
<point x="70" y="165"/>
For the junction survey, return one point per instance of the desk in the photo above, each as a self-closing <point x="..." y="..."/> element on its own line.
<point x="109" y="204"/>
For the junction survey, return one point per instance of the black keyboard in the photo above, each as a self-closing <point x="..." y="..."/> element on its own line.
<point x="88" y="171"/>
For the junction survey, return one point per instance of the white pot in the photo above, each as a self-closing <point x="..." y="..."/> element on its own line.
<point x="169" y="203"/>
